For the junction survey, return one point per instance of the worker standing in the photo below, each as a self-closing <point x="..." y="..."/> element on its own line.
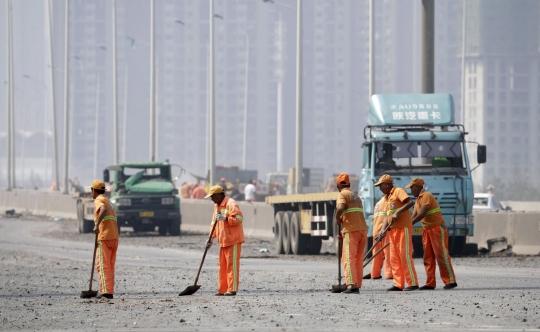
<point x="350" y="214"/>
<point x="198" y="192"/>
<point x="106" y="228"/>
<point x="434" y="236"/>
<point x="230" y="236"/>
<point x="398" y="215"/>
<point x="379" y="214"/>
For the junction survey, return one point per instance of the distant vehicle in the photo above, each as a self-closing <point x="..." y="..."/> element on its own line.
<point x="488" y="202"/>
<point x="143" y="195"/>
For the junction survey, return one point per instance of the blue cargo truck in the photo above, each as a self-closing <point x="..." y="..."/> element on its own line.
<point x="414" y="135"/>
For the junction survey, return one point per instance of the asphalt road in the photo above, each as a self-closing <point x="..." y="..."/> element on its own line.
<point x="44" y="265"/>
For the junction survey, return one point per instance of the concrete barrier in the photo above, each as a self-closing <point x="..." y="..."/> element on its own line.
<point x="521" y="230"/>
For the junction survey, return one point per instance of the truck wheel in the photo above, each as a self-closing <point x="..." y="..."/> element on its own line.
<point x="162" y="229"/>
<point x="299" y="241"/>
<point x="278" y="225"/>
<point x="285" y="232"/>
<point x="315" y="244"/>
<point x="174" y="227"/>
<point x="418" y="249"/>
<point x="456" y="245"/>
<point x="470" y="249"/>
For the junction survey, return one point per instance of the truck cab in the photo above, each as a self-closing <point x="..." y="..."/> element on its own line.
<point x="143" y="196"/>
<point x="412" y="136"/>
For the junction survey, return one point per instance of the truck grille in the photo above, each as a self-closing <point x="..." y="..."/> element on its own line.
<point x="447" y="200"/>
<point x="150" y="203"/>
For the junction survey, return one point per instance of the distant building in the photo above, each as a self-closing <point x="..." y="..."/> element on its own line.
<point x="503" y="89"/>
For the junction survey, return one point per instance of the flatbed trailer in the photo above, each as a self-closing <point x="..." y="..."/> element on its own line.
<point x="303" y="221"/>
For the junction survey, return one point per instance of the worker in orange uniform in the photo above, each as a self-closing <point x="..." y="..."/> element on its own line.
<point x="106" y="228"/>
<point x="350" y="214"/>
<point x="230" y="236"/>
<point x="379" y="214"/>
<point x="398" y="215"/>
<point x="434" y="236"/>
<point x="198" y="192"/>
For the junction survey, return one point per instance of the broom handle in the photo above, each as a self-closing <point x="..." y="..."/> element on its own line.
<point x="93" y="263"/>
<point x="340" y="253"/>
<point x="205" y="251"/>
<point x="378" y="252"/>
<point x="379" y="240"/>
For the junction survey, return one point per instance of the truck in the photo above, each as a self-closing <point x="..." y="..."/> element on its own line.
<point x="414" y="135"/>
<point x="143" y="196"/>
<point x="407" y="136"/>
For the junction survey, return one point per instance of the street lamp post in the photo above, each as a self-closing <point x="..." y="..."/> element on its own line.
<point x="115" y="88"/>
<point x="246" y="95"/>
<point x="212" y="157"/>
<point x="66" y="99"/>
<point x="53" y="104"/>
<point x="152" y="85"/>
<point x="9" y="98"/>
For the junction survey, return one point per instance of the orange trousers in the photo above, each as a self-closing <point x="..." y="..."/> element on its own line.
<point x="352" y="257"/>
<point x="435" y="243"/>
<point x="401" y="249"/>
<point x="381" y="259"/>
<point x="105" y="260"/>
<point x="229" y="268"/>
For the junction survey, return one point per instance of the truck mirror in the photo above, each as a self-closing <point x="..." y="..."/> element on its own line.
<point x="481" y="154"/>
<point x="106" y="177"/>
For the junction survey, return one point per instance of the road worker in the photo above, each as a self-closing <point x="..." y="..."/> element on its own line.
<point x="379" y="213"/>
<point x="434" y="236"/>
<point x="398" y="215"/>
<point x="198" y="191"/>
<point x="106" y="228"/>
<point x="230" y="235"/>
<point x="184" y="190"/>
<point x="350" y="214"/>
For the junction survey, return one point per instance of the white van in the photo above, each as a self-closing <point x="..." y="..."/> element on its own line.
<point x="488" y="202"/>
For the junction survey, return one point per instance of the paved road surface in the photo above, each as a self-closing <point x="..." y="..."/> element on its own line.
<point x="41" y="278"/>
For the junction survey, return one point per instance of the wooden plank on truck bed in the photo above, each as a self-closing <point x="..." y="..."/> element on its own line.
<point x="302" y="198"/>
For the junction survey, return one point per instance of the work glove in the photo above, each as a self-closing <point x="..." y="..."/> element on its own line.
<point x="220" y="217"/>
<point x="380" y="236"/>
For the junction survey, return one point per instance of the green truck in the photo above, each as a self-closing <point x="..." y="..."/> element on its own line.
<point x="143" y="195"/>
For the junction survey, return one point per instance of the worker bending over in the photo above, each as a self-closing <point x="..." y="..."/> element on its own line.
<point x="350" y="214"/>
<point x="398" y="215"/>
<point x="434" y="236"/>
<point x="230" y="236"/>
<point x="379" y="214"/>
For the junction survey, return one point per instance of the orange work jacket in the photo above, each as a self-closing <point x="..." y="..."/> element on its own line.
<point x="230" y="231"/>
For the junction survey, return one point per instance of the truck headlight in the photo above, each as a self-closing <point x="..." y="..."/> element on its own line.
<point x="167" y="200"/>
<point x="461" y="220"/>
<point x="124" y="202"/>
<point x="470" y="220"/>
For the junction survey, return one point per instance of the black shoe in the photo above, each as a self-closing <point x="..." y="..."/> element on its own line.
<point x="218" y="294"/>
<point x="426" y="287"/>
<point x="110" y="296"/>
<point x="391" y="278"/>
<point x="351" y="290"/>
<point x="411" y="288"/>
<point x="230" y="294"/>
<point x="394" y="289"/>
<point x="379" y="277"/>
<point x="367" y="276"/>
<point x="450" y="286"/>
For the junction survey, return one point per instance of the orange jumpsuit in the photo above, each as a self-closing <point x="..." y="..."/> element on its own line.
<point x="383" y="258"/>
<point x="434" y="240"/>
<point x="400" y="236"/>
<point x="107" y="245"/>
<point x="230" y="236"/>
<point x="354" y="232"/>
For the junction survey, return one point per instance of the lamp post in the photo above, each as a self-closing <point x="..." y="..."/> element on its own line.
<point x="53" y="104"/>
<point x="9" y="99"/>
<point x="212" y="157"/>
<point x="299" y="118"/>
<point x="115" y="88"/>
<point x="66" y="99"/>
<point x="152" y="85"/>
<point x="246" y="94"/>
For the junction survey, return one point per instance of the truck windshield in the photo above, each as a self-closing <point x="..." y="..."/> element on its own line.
<point x="422" y="158"/>
<point x="148" y="173"/>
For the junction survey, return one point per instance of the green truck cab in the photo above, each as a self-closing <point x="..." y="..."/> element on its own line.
<point x="414" y="135"/>
<point x="143" y="196"/>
